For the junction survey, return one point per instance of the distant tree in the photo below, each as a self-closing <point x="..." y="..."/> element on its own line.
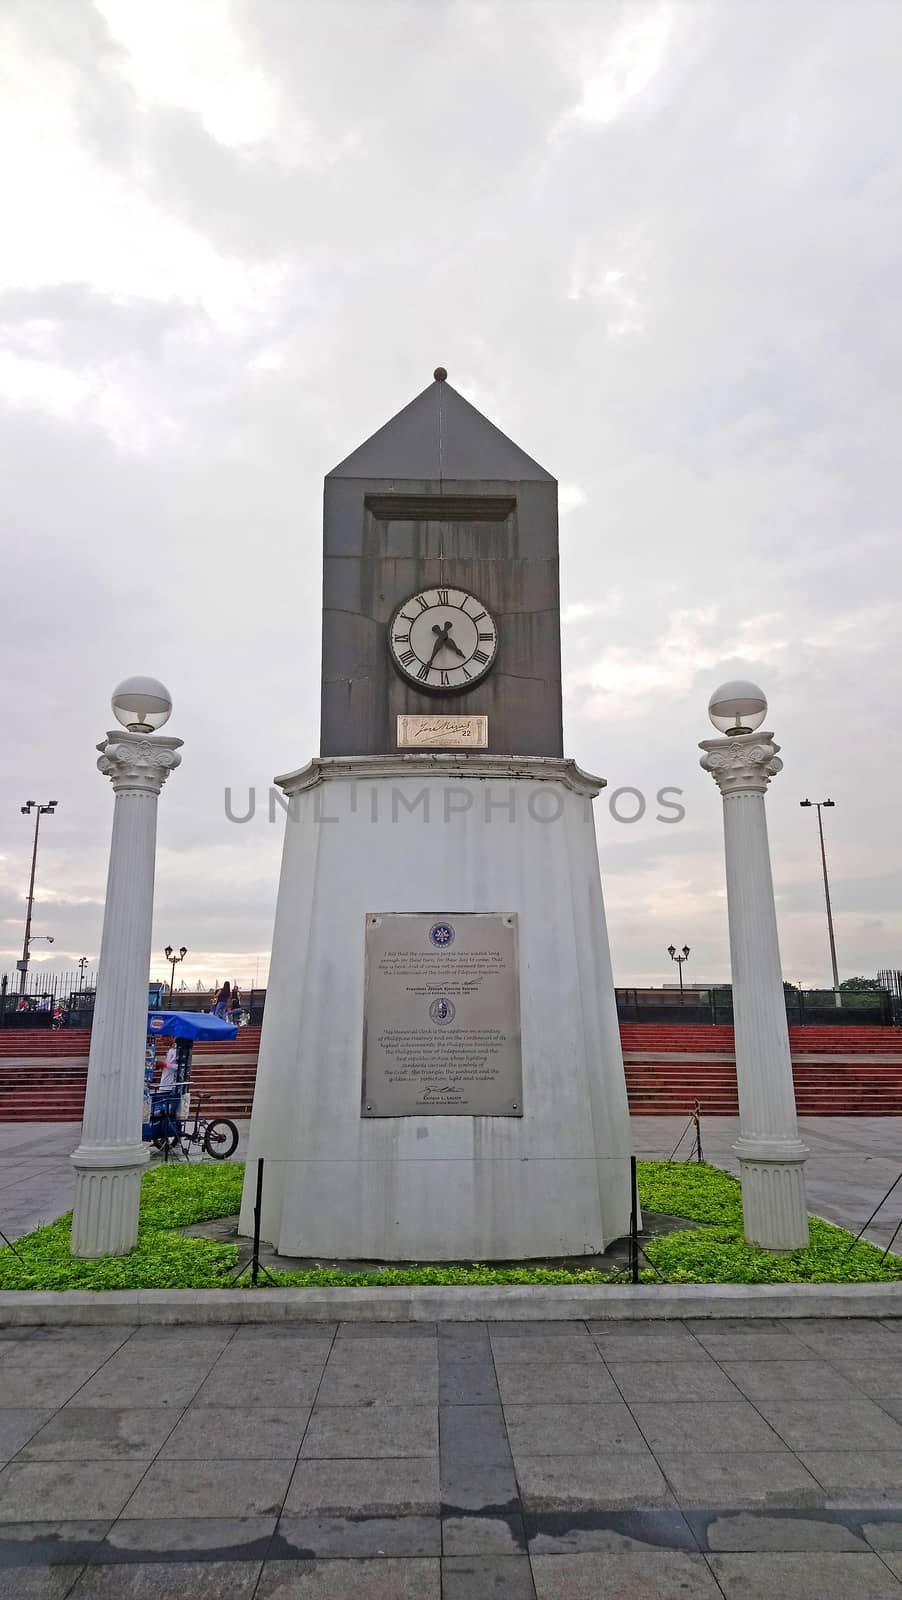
<point x="871" y="985"/>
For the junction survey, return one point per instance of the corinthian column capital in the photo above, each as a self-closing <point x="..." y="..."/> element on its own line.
<point x="138" y="762"/>
<point x="744" y="764"/>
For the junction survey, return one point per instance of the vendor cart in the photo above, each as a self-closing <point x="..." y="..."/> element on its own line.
<point x="167" y="1112"/>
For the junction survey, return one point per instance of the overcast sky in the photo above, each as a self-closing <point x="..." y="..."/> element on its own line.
<point x="657" y="244"/>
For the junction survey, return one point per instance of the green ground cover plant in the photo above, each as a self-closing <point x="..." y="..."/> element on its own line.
<point x="176" y="1195"/>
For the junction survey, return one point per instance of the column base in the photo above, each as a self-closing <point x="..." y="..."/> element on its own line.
<point x="774" y="1203"/>
<point x="107" y="1192"/>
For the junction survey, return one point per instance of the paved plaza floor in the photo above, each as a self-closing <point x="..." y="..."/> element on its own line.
<point x="853" y="1161"/>
<point x="555" y="1461"/>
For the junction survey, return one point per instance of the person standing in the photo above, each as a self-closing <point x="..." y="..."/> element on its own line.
<point x="223" y="1001"/>
<point x="235" y="1008"/>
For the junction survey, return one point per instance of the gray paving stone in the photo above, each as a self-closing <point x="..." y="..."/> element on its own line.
<point x="477" y="1486"/>
<point x="41" y="1390"/>
<point x="467" y="1381"/>
<point x="407" y="1331"/>
<point x="878" y="1376"/>
<point x="667" y="1342"/>
<point x="857" y="1477"/>
<point x="754" y="1346"/>
<point x="658" y="1575"/>
<point x="473" y="1536"/>
<point x="748" y="1530"/>
<point x="811" y="1575"/>
<point x="741" y="1479"/>
<point x="704" y="1326"/>
<point x="211" y="1489"/>
<point x="612" y="1532"/>
<point x="882" y="1530"/>
<point x="100" y="1433"/>
<point x="536" y="1328"/>
<point x="154" y="1539"/>
<point x="475" y="1434"/>
<point x="382" y="1579"/>
<point x="704" y="1425"/>
<point x="49" y="1544"/>
<point x="789" y="1380"/>
<point x="856" y="1424"/>
<point x="547" y="1351"/>
<point x="852" y="1337"/>
<point x="148" y="1390"/>
<point x="237" y="1433"/>
<point x="170" y="1580"/>
<point x="37" y="1583"/>
<point x="376" y="1430"/>
<point x="592" y="1482"/>
<point x="299" y="1538"/>
<point x="289" y="1337"/>
<point x="387" y="1385"/>
<point x="672" y="1380"/>
<point x="60" y="1490"/>
<point x="186" y="1340"/>
<point x="895" y="1564"/>
<point x="572" y="1430"/>
<point x="487" y="1578"/>
<point x="552" y="1383"/>
<point x="247" y="1383"/>
<point x="387" y="1487"/>
<point x="18" y="1424"/>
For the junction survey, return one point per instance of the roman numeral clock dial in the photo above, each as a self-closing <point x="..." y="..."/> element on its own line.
<point x="443" y="640"/>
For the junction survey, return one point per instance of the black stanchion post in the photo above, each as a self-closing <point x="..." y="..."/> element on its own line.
<point x="634" y="1222"/>
<point x="258" y="1211"/>
<point x="697" y="1118"/>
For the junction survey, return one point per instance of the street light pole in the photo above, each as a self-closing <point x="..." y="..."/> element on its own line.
<point x="39" y="811"/>
<point x="679" y="958"/>
<point x="174" y="960"/>
<point x="837" y="997"/>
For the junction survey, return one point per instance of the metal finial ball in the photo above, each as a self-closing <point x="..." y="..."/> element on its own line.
<point x="440" y="374"/>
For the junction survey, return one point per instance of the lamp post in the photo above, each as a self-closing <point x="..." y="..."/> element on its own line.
<point x="40" y="811"/>
<point x="771" y="1154"/>
<point x="837" y="997"/>
<point x="81" y="963"/>
<point x="679" y="957"/>
<point x="111" y="1155"/>
<point x="174" y="960"/>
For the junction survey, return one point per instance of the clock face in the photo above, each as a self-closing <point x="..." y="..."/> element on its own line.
<point x="443" y="640"/>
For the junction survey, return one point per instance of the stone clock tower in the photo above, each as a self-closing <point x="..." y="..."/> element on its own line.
<point x="440" y="521"/>
<point x="440" y="1075"/>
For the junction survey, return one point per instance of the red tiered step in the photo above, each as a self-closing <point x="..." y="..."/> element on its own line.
<point x="852" y="1072"/>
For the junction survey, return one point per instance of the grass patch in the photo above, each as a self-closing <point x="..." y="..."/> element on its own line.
<point x="718" y="1253"/>
<point x="174" y="1196"/>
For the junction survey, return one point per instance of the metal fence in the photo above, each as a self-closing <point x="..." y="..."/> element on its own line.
<point x="53" y="999"/>
<point x="804" y="1007"/>
<point x="66" y="1000"/>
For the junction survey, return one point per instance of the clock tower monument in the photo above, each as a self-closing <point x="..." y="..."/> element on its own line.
<point x="440" y="1073"/>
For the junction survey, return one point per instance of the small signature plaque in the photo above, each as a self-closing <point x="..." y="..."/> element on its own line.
<point x="430" y="733"/>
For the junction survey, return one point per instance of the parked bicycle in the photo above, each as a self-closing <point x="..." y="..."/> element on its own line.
<point x="218" y="1136"/>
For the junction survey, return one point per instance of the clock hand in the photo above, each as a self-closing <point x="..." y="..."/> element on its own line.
<point x="440" y="641"/>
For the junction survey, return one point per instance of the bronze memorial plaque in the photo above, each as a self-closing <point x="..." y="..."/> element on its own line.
<point x="442" y="1015"/>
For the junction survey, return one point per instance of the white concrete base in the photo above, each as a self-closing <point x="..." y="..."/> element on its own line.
<point x="107" y="1193"/>
<point x="505" y="1303"/>
<point x="448" y="834"/>
<point x="774" y="1203"/>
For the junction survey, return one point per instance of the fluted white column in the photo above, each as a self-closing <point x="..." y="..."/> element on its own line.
<point x="771" y="1154"/>
<point x="110" y="1157"/>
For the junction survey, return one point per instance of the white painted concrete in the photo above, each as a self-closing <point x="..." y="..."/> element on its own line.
<point x="110" y="1157"/>
<point x="771" y="1154"/>
<point x="450" y="834"/>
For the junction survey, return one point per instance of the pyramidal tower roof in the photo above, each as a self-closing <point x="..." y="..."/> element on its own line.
<point x="440" y="435"/>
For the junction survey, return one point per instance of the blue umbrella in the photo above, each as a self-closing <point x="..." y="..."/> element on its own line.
<point x="189" y="1025"/>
